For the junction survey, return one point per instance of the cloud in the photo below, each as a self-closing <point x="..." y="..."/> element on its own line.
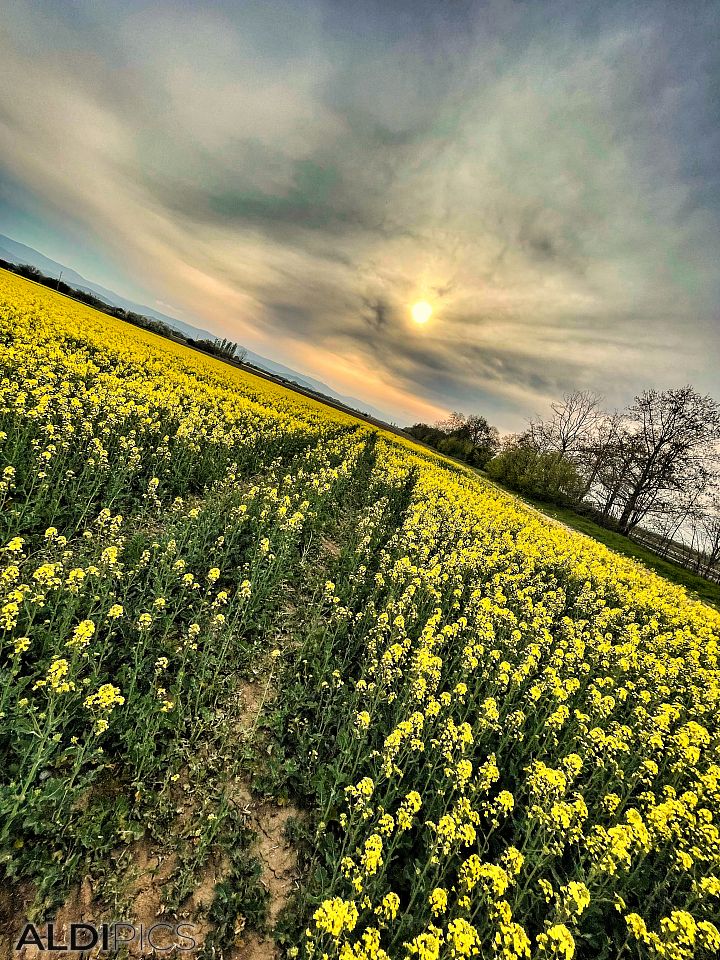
<point x="377" y="315"/>
<point x="296" y="175"/>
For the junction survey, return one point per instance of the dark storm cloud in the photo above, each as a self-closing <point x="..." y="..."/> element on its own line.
<point x="545" y="174"/>
<point x="377" y="312"/>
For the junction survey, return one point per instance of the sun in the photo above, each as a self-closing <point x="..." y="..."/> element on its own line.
<point x="421" y="311"/>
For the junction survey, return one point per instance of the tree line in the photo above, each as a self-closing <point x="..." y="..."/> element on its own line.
<point x="651" y="470"/>
<point x="225" y="349"/>
<point x="470" y="439"/>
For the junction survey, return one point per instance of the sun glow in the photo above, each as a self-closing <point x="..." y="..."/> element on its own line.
<point x="421" y="311"/>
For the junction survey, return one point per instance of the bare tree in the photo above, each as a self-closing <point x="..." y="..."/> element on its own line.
<point x="679" y="514"/>
<point x="671" y="437"/>
<point x="572" y="425"/>
<point x="711" y="533"/>
<point x="654" y="463"/>
<point x="452" y="424"/>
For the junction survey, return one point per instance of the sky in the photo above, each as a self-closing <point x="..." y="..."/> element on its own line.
<point x="295" y="174"/>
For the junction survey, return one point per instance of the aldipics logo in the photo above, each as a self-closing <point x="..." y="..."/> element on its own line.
<point x="108" y="937"/>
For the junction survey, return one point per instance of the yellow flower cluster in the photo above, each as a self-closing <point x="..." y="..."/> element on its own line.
<point x="522" y="683"/>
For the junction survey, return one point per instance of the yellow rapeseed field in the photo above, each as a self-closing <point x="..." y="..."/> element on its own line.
<point x="504" y="737"/>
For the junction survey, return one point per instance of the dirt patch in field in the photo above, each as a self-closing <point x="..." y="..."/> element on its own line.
<point x="255" y="947"/>
<point x="251" y="701"/>
<point x="268" y="819"/>
<point x="330" y="548"/>
<point x="15" y="903"/>
<point x="145" y="874"/>
<point x="148" y="874"/>
<point x="276" y="854"/>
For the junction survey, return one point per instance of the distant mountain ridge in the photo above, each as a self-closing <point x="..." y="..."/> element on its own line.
<point x="19" y="253"/>
<point x="15" y="252"/>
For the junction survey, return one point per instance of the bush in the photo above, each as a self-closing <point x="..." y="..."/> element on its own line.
<point x="547" y="476"/>
<point x="455" y="447"/>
